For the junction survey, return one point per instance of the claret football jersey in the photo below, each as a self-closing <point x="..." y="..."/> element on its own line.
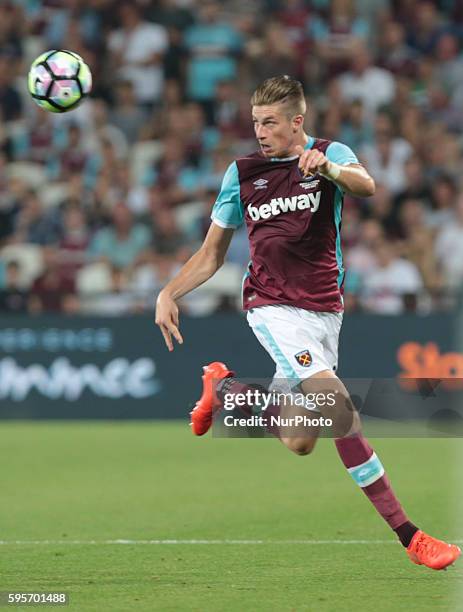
<point x="293" y="225"/>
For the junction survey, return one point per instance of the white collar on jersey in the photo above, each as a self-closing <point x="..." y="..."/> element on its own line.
<point x="309" y="145"/>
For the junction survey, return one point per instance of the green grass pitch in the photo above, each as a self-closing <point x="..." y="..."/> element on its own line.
<point x="81" y="485"/>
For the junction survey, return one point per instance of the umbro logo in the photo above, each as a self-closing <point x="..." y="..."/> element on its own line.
<point x="310" y="185"/>
<point x="260" y="183"/>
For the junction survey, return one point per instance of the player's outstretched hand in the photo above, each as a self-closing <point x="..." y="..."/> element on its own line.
<point x="167" y="319"/>
<point x="312" y="161"/>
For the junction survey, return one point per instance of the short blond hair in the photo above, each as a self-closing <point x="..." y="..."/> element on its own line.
<point x="281" y="90"/>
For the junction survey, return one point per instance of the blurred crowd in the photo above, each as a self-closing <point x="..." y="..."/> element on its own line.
<point x="101" y="206"/>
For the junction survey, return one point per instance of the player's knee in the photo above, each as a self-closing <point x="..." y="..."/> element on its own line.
<point x="299" y="446"/>
<point x="302" y="450"/>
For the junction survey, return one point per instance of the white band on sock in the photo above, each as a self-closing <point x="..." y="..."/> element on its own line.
<point x="368" y="472"/>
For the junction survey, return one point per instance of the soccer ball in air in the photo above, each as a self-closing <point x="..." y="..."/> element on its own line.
<point x="58" y="81"/>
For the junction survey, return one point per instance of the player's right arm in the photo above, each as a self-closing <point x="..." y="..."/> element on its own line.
<point x="227" y="215"/>
<point x="197" y="270"/>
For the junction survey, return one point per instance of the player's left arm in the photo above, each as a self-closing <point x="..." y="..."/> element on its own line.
<point x="340" y="165"/>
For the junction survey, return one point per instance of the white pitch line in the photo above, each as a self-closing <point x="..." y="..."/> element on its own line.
<point x="194" y="542"/>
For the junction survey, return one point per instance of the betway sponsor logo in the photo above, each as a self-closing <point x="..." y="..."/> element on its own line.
<point x="276" y="206"/>
<point x="61" y="380"/>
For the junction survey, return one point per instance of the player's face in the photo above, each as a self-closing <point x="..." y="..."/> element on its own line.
<point x="275" y="130"/>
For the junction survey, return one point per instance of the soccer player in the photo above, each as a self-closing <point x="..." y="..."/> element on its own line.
<point x="290" y="193"/>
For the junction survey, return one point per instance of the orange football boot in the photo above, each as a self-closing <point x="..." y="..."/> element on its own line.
<point x="209" y="403"/>
<point x="429" y="551"/>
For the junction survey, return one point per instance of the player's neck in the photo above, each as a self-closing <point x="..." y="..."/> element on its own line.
<point x="301" y="141"/>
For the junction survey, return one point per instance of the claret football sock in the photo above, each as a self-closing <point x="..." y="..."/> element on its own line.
<point x="367" y="471"/>
<point x="230" y="387"/>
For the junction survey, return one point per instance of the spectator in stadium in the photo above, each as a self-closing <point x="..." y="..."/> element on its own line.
<point x="134" y="194"/>
<point x="226" y="106"/>
<point x="35" y="138"/>
<point x="167" y="237"/>
<point x="294" y="16"/>
<point x="424" y="26"/>
<point x="354" y="130"/>
<point x="410" y="119"/>
<point x="199" y="138"/>
<point x="156" y="126"/>
<point x="361" y="256"/>
<point x="72" y="156"/>
<point x="381" y="208"/>
<point x="13" y="296"/>
<point x="449" y="62"/>
<point x="417" y="244"/>
<point x="138" y="48"/>
<point x="103" y="130"/>
<point x="330" y="122"/>
<point x="232" y="113"/>
<point x="336" y="37"/>
<point x="272" y="54"/>
<point x="148" y="278"/>
<point x="171" y="14"/>
<point x="79" y="196"/>
<point x="443" y="196"/>
<point x="10" y="100"/>
<point x="372" y="85"/>
<point x="442" y="159"/>
<point x="11" y="201"/>
<point x="394" y="284"/>
<point x="220" y="159"/>
<point x="126" y="114"/>
<point x="74" y="241"/>
<point x="119" y="300"/>
<point x="173" y="173"/>
<point x="12" y="25"/>
<point x="415" y="184"/>
<point x="449" y="248"/>
<point x="34" y="225"/>
<point x="386" y="158"/>
<point x="394" y="54"/>
<point x="440" y="108"/>
<point x="121" y="243"/>
<point x="423" y="82"/>
<point x="104" y="162"/>
<point x="51" y="291"/>
<point x="214" y="46"/>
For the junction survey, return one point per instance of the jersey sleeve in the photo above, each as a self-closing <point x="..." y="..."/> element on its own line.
<point x="341" y="154"/>
<point x="227" y="211"/>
